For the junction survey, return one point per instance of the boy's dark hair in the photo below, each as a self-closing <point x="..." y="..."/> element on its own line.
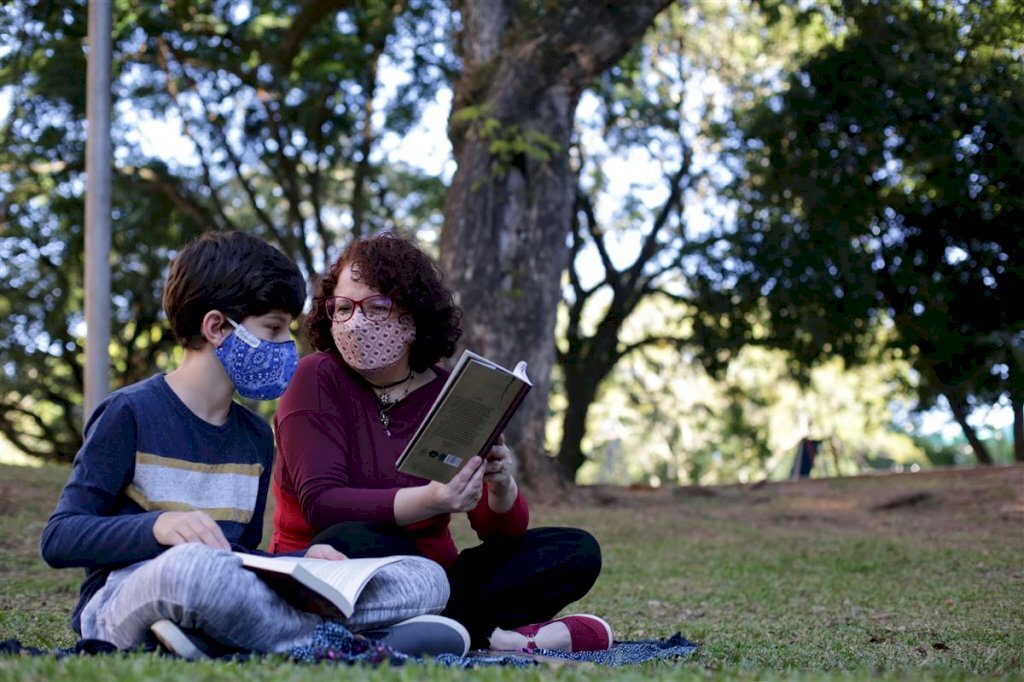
<point x="233" y="272"/>
<point x="396" y="267"/>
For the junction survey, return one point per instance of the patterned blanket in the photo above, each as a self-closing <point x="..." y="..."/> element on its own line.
<point x="332" y="642"/>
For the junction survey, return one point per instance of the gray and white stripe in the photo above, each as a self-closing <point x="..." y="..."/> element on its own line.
<point x="227" y="492"/>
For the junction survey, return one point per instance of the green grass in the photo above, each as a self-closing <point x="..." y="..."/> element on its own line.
<point x="795" y="581"/>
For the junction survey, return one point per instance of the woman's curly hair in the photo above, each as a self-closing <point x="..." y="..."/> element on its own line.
<point x="396" y="267"/>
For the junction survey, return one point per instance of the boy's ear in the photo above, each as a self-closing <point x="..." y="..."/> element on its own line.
<point x="215" y="328"/>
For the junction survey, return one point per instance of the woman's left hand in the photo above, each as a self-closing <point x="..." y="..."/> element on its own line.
<point x="498" y="466"/>
<point x="323" y="552"/>
<point x="501" y="484"/>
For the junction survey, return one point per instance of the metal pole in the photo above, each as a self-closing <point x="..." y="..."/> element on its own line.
<point x="98" y="160"/>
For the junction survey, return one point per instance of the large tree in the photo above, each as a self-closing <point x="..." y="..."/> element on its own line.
<point x="884" y="186"/>
<point x="508" y="213"/>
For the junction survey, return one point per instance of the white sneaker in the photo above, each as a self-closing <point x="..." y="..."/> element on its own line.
<point x="176" y="641"/>
<point x="424" y="636"/>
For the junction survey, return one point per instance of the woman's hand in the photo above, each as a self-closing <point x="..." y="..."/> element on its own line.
<point x="501" y="485"/>
<point x="324" y="552"/>
<point x="463" y="492"/>
<point x="498" y="467"/>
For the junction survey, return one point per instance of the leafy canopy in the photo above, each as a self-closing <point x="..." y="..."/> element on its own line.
<point x="884" y="186"/>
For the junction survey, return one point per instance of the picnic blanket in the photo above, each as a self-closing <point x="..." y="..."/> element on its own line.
<point x="332" y="642"/>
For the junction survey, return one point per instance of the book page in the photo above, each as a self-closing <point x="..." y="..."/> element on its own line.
<point x="348" y="576"/>
<point x="520" y="372"/>
<point x="329" y="588"/>
<point x="277" y="564"/>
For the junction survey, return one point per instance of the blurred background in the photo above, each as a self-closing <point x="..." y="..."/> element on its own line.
<point x="717" y="230"/>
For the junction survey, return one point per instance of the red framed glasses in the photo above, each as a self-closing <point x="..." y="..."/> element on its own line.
<point x="376" y="308"/>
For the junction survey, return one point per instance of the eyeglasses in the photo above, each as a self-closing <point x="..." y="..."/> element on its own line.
<point x="375" y="308"/>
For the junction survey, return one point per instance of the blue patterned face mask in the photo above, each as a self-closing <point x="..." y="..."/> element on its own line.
<point x="259" y="369"/>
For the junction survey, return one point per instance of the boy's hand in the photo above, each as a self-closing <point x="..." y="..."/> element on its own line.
<point x="177" y="528"/>
<point x="324" y="552"/>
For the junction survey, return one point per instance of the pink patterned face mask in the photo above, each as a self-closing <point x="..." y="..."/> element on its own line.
<point x="372" y="348"/>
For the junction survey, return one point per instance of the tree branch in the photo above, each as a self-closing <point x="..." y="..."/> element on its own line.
<point x="163" y="59"/>
<point x="286" y="175"/>
<point x="612" y="276"/>
<point x="236" y="162"/>
<point x="362" y="170"/>
<point x="575" y="308"/>
<point x="20" y="438"/>
<point x="650" y="246"/>
<point x="310" y="14"/>
<point x="165" y="184"/>
<point x="676" y="263"/>
<point x="678" y="342"/>
<point x="315" y="182"/>
<point x="569" y="46"/>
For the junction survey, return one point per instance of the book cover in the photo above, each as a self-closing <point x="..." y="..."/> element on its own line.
<point x="470" y="412"/>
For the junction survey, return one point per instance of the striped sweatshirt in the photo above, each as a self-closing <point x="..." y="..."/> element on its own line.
<point x="145" y="452"/>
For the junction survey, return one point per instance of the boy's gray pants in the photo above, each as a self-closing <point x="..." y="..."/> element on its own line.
<point x="206" y="589"/>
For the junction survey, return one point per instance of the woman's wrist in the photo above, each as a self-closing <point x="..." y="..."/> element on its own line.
<point x="501" y="499"/>
<point x="414" y="504"/>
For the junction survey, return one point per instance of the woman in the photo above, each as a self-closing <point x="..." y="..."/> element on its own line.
<point x="382" y="319"/>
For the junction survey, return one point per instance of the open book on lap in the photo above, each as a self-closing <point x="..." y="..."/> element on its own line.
<point x="472" y="409"/>
<point x="321" y="586"/>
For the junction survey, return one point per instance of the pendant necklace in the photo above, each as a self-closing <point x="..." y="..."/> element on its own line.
<point x="385" y="402"/>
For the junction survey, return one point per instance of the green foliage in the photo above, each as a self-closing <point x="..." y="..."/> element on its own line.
<point x="278" y="114"/>
<point x="661" y="419"/>
<point x="882" y="186"/>
<point x="942" y="450"/>
<point x="41" y="332"/>
<point x="508" y="143"/>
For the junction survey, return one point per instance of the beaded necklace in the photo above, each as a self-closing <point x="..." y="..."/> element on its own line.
<point x="385" y="402"/>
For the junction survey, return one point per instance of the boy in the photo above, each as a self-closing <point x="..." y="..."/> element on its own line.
<point x="173" y="474"/>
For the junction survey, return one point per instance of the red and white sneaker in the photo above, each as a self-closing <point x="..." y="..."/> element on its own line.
<point x="586" y="632"/>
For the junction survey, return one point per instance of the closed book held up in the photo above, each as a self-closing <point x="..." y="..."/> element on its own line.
<point x="472" y="409"/>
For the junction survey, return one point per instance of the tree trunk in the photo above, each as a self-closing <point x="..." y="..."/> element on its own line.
<point x="505" y="251"/>
<point x="1018" y="427"/>
<point x="360" y="178"/>
<point x="585" y="366"/>
<point x="960" y="415"/>
<point x="508" y="212"/>
<point x="581" y="390"/>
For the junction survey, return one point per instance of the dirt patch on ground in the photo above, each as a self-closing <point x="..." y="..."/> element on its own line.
<point x="30" y="488"/>
<point x="27" y="498"/>
<point x="963" y="506"/>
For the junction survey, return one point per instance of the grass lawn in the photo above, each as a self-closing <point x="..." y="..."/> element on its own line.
<point x="898" y="576"/>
